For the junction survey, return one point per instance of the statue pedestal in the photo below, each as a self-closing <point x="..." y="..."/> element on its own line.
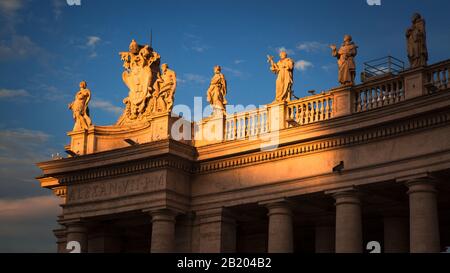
<point x="104" y="138"/>
<point x="277" y="116"/>
<point x="210" y="130"/>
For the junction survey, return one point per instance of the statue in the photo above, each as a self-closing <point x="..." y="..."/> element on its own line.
<point x="217" y="91"/>
<point x="284" y="69"/>
<point x="417" y="42"/>
<point x="80" y="108"/>
<point x="346" y="62"/>
<point x="141" y="65"/>
<point x="164" y="92"/>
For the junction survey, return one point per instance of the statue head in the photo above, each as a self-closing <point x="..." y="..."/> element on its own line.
<point x="283" y="55"/>
<point x="83" y="85"/>
<point x="217" y="69"/>
<point x="416" y="16"/>
<point x="134" y="47"/>
<point x="145" y="52"/>
<point x="347" y="39"/>
<point x="164" y="67"/>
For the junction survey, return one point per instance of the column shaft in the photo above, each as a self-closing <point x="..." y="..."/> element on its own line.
<point x="78" y="232"/>
<point x="163" y="231"/>
<point x="280" y="228"/>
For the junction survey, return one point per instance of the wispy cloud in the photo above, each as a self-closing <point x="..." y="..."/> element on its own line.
<point x="192" y="78"/>
<point x="287" y="50"/>
<point x="27" y="224"/>
<point x="233" y="72"/>
<point x="328" y="67"/>
<point x="57" y="7"/>
<point x="194" y="43"/>
<point x="18" y="48"/>
<point x="91" y="45"/>
<point x="303" y="65"/>
<point x="313" y="46"/>
<point x="13" y="93"/>
<point x="238" y="61"/>
<point x="9" y="10"/>
<point x="106" y="106"/>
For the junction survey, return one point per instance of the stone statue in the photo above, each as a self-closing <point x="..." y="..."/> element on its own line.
<point x="217" y="91"/>
<point x="164" y="87"/>
<point x="417" y="42"/>
<point x="141" y="65"/>
<point x="80" y="108"/>
<point x="284" y="69"/>
<point x="346" y="60"/>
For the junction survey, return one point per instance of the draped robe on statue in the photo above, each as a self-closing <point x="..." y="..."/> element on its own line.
<point x="284" y="69"/>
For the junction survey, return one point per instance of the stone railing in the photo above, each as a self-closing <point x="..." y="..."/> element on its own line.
<point x="378" y="94"/>
<point x="310" y="109"/>
<point x="437" y="77"/>
<point x="246" y="124"/>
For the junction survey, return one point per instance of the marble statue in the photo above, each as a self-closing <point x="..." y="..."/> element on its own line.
<point x="141" y="65"/>
<point x="164" y="88"/>
<point x="417" y="42"/>
<point x="80" y="108"/>
<point x="284" y="69"/>
<point x="346" y="60"/>
<point x="217" y="91"/>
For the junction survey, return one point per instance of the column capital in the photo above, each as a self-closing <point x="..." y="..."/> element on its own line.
<point x="167" y="215"/>
<point x="348" y="195"/>
<point x="278" y="206"/>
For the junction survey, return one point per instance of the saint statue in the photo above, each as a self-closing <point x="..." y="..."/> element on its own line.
<point x="284" y="69"/>
<point x="217" y="91"/>
<point x="141" y="65"/>
<point x="417" y="42"/>
<point x="164" y="88"/>
<point x="80" y="108"/>
<point x="346" y="60"/>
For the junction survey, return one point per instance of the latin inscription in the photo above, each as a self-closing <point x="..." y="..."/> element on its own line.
<point x="114" y="188"/>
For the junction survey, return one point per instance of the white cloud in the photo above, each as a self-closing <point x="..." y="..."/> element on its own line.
<point x="106" y="106"/>
<point x="233" y="72"/>
<point x="311" y="46"/>
<point x="287" y="50"/>
<point x="18" y="47"/>
<point x="192" y="78"/>
<point x="239" y="61"/>
<point x="329" y="67"/>
<point x="92" y="41"/>
<point x="303" y="65"/>
<point x="13" y="93"/>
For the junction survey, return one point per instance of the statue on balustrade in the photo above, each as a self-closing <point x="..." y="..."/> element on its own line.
<point x="417" y="42"/>
<point x="285" y="77"/>
<point x="346" y="60"/>
<point x="141" y="65"/>
<point x="217" y="91"/>
<point x="164" y="87"/>
<point x="80" y="108"/>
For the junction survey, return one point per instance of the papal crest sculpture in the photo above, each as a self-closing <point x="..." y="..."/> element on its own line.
<point x="150" y="92"/>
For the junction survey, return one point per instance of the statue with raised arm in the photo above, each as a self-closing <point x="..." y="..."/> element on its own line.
<point x="217" y="91"/>
<point x="80" y="108"/>
<point x="284" y="69"/>
<point x="417" y="42"/>
<point x="164" y="87"/>
<point x="346" y="60"/>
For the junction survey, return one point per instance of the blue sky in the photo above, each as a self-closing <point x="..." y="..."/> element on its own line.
<point x="48" y="47"/>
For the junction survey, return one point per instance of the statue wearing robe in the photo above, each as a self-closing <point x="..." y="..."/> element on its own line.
<point x="417" y="42"/>
<point x="346" y="60"/>
<point x="284" y="69"/>
<point x="164" y="88"/>
<point x="217" y="90"/>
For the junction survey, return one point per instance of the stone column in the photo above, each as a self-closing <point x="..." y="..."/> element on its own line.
<point x="348" y="222"/>
<point x="61" y="241"/>
<point x="217" y="231"/>
<point x="78" y="232"/>
<point x="281" y="234"/>
<point x="396" y="239"/>
<point x="163" y="231"/>
<point x="423" y="216"/>
<point x="324" y="239"/>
